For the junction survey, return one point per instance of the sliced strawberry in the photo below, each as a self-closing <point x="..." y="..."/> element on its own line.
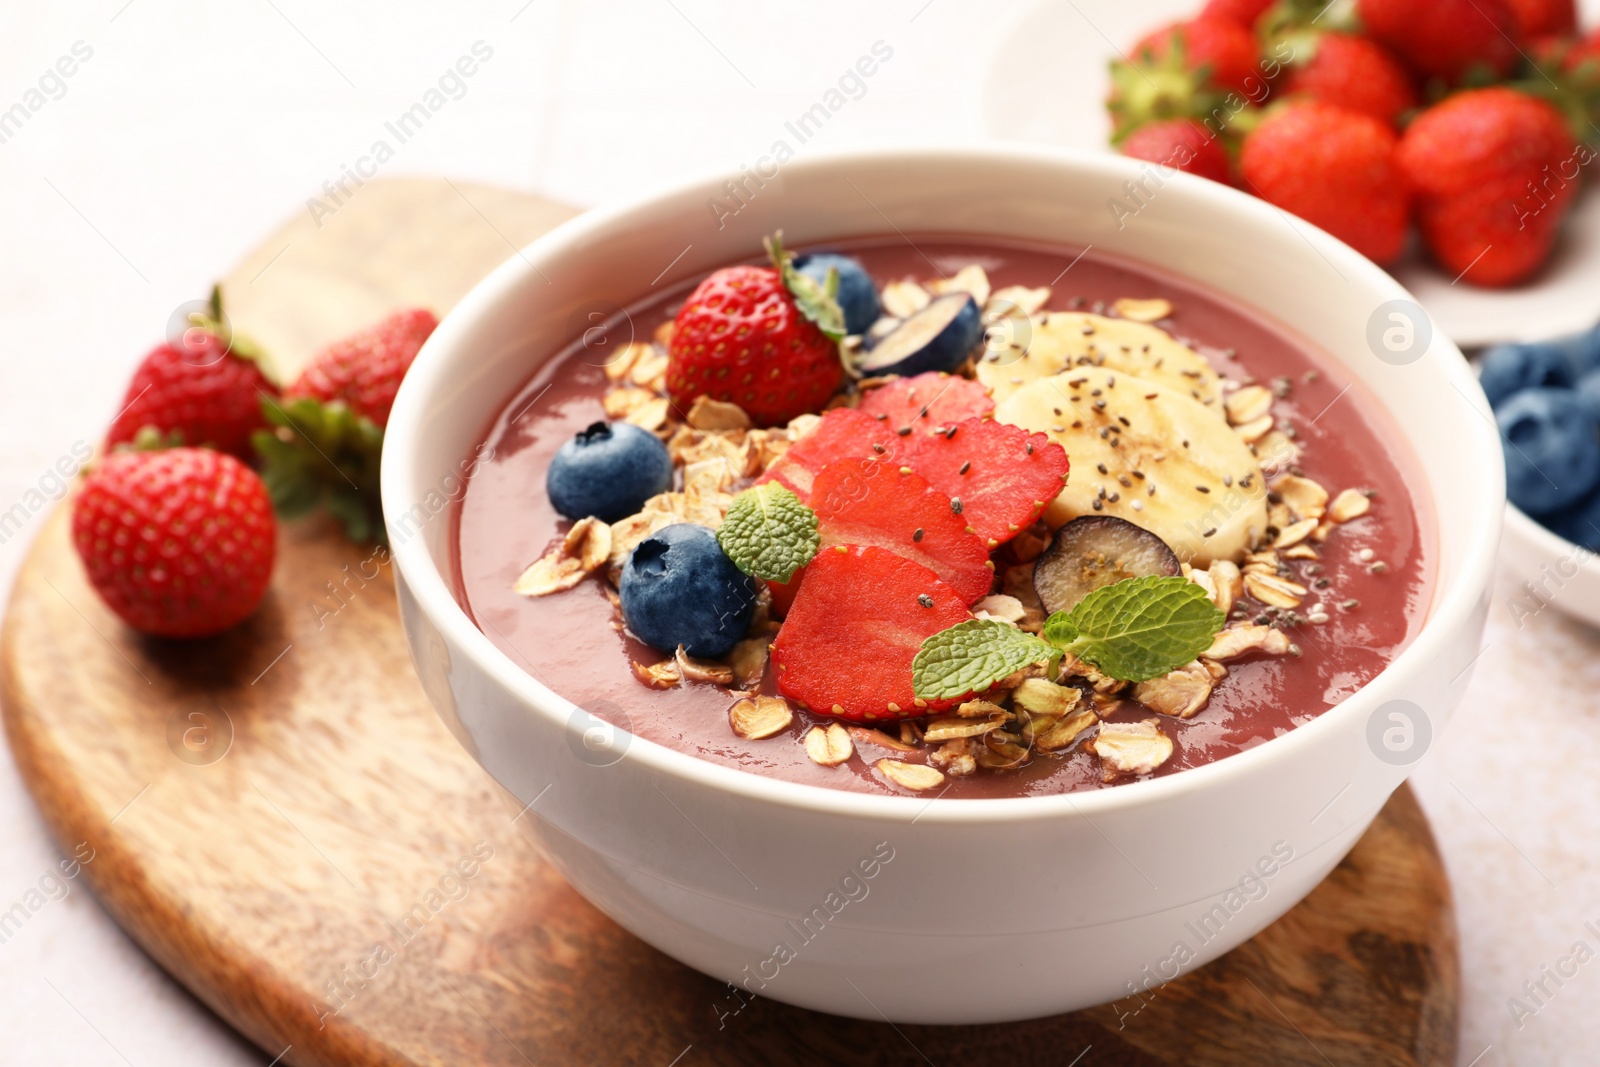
<point x="843" y="433"/>
<point x="926" y="402"/>
<point x="1003" y="475"/>
<point x="871" y="502"/>
<point x="847" y="645"/>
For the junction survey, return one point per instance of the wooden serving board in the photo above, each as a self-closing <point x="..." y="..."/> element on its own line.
<point x="279" y="818"/>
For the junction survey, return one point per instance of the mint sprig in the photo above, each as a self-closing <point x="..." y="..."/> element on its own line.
<point x="769" y="533"/>
<point x="1139" y="628"/>
<point x="817" y="303"/>
<point x="1132" y="630"/>
<point x="971" y="656"/>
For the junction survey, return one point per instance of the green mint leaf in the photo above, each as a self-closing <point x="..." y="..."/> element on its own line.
<point x="1138" y="628"/>
<point x="768" y="533"/>
<point x="971" y="656"/>
<point x="816" y="302"/>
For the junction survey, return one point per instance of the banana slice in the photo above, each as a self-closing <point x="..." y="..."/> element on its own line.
<point x="1149" y="454"/>
<point x="1054" y="341"/>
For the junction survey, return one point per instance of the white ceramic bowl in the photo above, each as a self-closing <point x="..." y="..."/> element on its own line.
<point x="1555" y="572"/>
<point x="939" y="911"/>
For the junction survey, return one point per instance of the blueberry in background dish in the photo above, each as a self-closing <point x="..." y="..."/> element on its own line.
<point x="1552" y="449"/>
<point x="1588" y="393"/>
<point x="1509" y="369"/>
<point x="940" y="337"/>
<point x="608" y="470"/>
<point x="679" y="588"/>
<point x="857" y="296"/>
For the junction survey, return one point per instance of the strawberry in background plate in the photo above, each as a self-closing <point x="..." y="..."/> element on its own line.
<point x="764" y="338"/>
<point x="177" y="542"/>
<point x="1350" y="72"/>
<point x="1245" y="12"/>
<point x="1446" y="39"/>
<point x="1543" y="18"/>
<point x="203" y="389"/>
<point x="1335" y="168"/>
<point x="1182" y="70"/>
<point x="1495" y="173"/>
<point x="326" y="435"/>
<point x="1182" y="144"/>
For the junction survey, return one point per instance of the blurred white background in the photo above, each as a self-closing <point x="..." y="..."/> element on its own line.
<point x="195" y="129"/>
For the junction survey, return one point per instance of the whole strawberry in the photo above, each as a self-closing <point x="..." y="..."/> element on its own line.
<point x="1184" y="70"/>
<point x="1222" y="48"/>
<point x="178" y="542"/>
<point x="1334" y="168"/>
<point x="1351" y="72"/>
<point x="764" y="338"/>
<point x="1495" y="173"/>
<point x="1182" y="144"/>
<point x="1543" y="18"/>
<point x="325" y="439"/>
<point x="364" y="369"/>
<point x="1245" y="12"/>
<point x="203" y="389"/>
<point x="1446" y="39"/>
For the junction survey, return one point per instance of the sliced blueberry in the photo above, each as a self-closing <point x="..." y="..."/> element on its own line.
<point x="1509" y="369"/>
<point x="1094" y="551"/>
<point x="857" y="296"/>
<point x="1552" y="449"/>
<point x="608" y="470"/>
<point x="940" y="337"/>
<point x="679" y="588"/>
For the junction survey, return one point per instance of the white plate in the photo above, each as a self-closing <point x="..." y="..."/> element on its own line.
<point x="1047" y="83"/>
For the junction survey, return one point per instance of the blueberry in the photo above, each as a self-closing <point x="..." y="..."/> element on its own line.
<point x="1552" y="450"/>
<point x="1582" y="351"/>
<point x="679" y="588"/>
<point x="1509" y="369"/>
<point x="1588" y="393"/>
<point x="857" y="295"/>
<point x="939" y="337"/>
<point x="608" y="471"/>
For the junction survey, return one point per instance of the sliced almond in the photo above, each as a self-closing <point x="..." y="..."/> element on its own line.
<point x="969" y="279"/>
<point x="1246" y="405"/>
<point x="749" y="661"/>
<point x="910" y="733"/>
<point x="755" y="719"/>
<point x="585" y="548"/>
<point x="618" y="403"/>
<point x="651" y="415"/>
<point x="1302" y="551"/>
<point x="1274" y="591"/>
<point x="1237" y="640"/>
<point x="866" y="736"/>
<point x="1063" y="732"/>
<point x="617" y="367"/>
<point x="708" y="414"/>
<point x="649" y="370"/>
<point x="1252" y="433"/>
<point x="954" y="758"/>
<point x="1228" y="583"/>
<point x="1320" y="534"/>
<point x="1000" y="608"/>
<point x="1306" y="498"/>
<point x="1295" y="532"/>
<point x="1000" y="751"/>
<point x="1181" y="693"/>
<point x="904" y="299"/>
<point x="1038" y="696"/>
<point x="979" y="709"/>
<point x="830" y="745"/>
<point x="663" y="334"/>
<point x="1274" y="450"/>
<point x="703" y="670"/>
<point x="1014" y="298"/>
<point x="1131" y="747"/>
<point x="1349" y="504"/>
<point x="916" y="777"/>
<point x="940" y="730"/>
<point x="663" y="675"/>
<point x="1143" y="310"/>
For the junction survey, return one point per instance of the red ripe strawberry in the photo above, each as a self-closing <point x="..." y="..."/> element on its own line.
<point x="1003" y="475"/>
<point x="1182" y="144"/>
<point x="926" y="402"/>
<point x="847" y="645"/>
<point x="1224" y="49"/>
<point x="1543" y="18"/>
<point x="872" y="502"/>
<point x="1245" y="12"/>
<point x="204" y="390"/>
<point x="364" y="369"/>
<point x="764" y="338"/>
<point x="843" y="433"/>
<point x="179" y="543"/>
<point x="1444" y="38"/>
<point x="1495" y="171"/>
<point x="1355" y="73"/>
<point x="1334" y="168"/>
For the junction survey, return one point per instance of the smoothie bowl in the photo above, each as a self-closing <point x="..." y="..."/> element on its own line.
<point x="1040" y="605"/>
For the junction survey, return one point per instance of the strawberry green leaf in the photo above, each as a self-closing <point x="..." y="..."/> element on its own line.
<point x="971" y="656"/>
<point x="1138" y="628"/>
<point x="322" y="455"/>
<point x="768" y="533"/>
<point x="816" y="302"/>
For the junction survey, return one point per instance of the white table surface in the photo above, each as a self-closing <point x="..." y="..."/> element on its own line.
<point x="195" y="128"/>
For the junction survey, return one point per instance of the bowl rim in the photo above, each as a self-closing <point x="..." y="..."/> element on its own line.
<point x="416" y="567"/>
